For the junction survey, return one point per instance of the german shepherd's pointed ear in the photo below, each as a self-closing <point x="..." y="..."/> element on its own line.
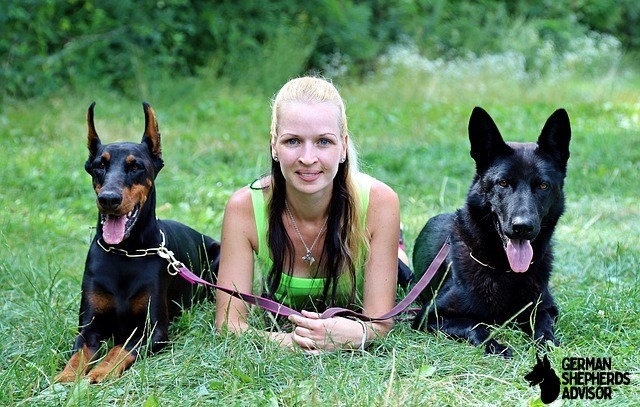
<point x="486" y="141"/>
<point x="93" y="141"/>
<point x="151" y="136"/>
<point x="555" y="137"/>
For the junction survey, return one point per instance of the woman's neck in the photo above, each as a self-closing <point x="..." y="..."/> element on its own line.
<point x="309" y="208"/>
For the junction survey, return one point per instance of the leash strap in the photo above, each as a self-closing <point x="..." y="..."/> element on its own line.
<point x="282" y="310"/>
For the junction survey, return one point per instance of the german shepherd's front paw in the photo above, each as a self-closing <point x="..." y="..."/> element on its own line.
<point x="493" y="347"/>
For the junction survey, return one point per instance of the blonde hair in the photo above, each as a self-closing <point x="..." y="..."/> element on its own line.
<point x="345" y="207"/>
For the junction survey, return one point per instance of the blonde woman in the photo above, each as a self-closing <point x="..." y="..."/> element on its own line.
<point x="323" y="233"/>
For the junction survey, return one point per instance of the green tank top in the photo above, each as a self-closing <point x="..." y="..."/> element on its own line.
<point x="297" y="291"/>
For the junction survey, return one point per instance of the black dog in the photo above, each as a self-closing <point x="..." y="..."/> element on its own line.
<point x="501" y="256"/>
<point x="130" y="292"/>
<point x="544" y="375"/>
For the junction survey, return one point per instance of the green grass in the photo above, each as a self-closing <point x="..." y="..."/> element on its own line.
<point x="411" y="132"/>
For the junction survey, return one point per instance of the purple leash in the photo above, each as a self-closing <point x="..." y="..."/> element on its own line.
<point x="282" y="310"/>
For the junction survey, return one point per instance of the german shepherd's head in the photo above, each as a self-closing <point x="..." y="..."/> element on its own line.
<point x="520" y="184"/>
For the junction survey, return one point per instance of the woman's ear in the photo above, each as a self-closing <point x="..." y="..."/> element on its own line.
<point x="345" y="146"/>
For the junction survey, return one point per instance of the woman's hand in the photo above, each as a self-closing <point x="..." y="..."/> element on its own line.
<point x="314" y="334"/>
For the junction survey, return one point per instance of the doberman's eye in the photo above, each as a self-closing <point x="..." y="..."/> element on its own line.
<point x="135" y="167"/>
<point x="503" y="183"/>
<point x="543" y="186"/>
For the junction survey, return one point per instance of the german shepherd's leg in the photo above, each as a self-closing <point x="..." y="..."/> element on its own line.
<point x="471" y="330"/>
<point x="543" y="329"/>
<point x="545" y="317"/>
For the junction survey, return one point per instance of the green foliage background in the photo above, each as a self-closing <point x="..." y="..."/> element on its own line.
<point x="49" y="44"/>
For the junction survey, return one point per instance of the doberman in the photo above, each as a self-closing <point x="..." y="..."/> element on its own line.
<point x="130" y="291"/>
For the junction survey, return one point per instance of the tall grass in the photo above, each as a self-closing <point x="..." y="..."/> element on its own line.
<point x="410" y="127"/>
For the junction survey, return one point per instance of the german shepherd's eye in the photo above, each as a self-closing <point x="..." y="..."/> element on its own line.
<point x="543" y="186"/>
<point x="503" y="183"/>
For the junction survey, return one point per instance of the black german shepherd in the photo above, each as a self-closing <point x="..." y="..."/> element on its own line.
<point x="501" y="255"/>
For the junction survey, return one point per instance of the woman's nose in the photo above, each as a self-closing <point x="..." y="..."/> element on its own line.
<point x="308" y="154"/>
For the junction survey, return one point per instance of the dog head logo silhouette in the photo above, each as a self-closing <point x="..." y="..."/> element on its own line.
<point x="544" y="375"/>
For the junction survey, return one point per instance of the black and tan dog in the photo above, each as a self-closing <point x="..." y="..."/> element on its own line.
<point x="501" y="254"/>
<point x="130" y="292"/>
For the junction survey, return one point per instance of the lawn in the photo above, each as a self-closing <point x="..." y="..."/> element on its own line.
<point x="410" y="128"/>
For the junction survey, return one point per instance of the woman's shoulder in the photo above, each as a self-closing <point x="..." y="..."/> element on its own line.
<point x="243" y="198"/>
<point x="379" y="192"/>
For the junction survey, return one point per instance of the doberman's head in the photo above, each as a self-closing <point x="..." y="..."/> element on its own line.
<point x="123" y="177"/>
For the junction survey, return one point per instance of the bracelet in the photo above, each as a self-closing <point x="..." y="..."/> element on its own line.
<point x="363" y="342"/>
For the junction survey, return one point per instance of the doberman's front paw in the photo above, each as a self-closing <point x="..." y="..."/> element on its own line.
<point x="68" y="375"/>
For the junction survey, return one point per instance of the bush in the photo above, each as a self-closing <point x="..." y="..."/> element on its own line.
<point x="128" y="44"/>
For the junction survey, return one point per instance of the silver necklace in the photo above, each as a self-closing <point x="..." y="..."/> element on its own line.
<point x="308" y="257"/>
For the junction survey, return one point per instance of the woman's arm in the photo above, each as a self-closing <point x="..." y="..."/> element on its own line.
<point x="383" y="225"/>
<point x="238" y="242"/>
<point x="381" y="272"/>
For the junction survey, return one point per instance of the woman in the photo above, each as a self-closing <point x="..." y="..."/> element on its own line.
<point x="325" y="234"/>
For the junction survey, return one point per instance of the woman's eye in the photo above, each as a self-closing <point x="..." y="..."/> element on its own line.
<point x="291" y="141"/>
<point x="324" y="142"/>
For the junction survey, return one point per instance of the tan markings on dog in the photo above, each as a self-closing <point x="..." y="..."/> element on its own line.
<point x="77" y="366"/>
<point x="106" y="156"/>
<point x="116" y="361"/>
<point x="136" y="194"/>
<point x="130" y="159"/>
<point x="101" y="302"/>
<point x="139" y="304"/>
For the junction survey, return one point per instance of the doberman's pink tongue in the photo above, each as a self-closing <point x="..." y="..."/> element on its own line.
<point x="113" y="229"/>
<point x="519" y="253"/>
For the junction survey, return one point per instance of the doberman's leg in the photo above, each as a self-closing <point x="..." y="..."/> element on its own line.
<point x="78" y="365"/>
<point x="117" y="360"/>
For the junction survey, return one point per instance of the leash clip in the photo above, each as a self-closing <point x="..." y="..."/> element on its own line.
<point x="173" y="262"/>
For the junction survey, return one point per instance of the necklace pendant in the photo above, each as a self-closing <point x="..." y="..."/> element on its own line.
<point x="308" y="258"/>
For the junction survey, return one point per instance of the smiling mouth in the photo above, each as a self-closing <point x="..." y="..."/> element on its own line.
<point x="308" y="176"/>
<point x="117" y="228"/>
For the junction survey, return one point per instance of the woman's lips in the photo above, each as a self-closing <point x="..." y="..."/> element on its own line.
<point x="308" y="176"/>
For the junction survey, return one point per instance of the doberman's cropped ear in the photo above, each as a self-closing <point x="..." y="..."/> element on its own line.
<point x="151" y="136"/>
<point x="485" y="138"/>
<point x="93" y="141"/>
<point x="555" y="137"/>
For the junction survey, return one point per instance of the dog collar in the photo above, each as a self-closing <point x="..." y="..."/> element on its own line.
<point x="161" y="251"/>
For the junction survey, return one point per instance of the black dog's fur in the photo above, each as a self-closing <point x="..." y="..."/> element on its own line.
<point x="131" y="300"/>
<point x="513" y="206"/>
<point x="544" y="375"/>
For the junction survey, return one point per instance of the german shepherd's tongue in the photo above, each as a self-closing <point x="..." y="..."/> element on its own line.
<point x="113" y="229"/>
<point x="519" y="253"/>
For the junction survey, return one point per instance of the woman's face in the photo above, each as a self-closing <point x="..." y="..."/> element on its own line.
<point x="309" y="146"/>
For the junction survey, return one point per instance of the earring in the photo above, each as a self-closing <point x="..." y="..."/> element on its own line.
<point x="343" y="159"/>
<point x="275" y="158"/>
